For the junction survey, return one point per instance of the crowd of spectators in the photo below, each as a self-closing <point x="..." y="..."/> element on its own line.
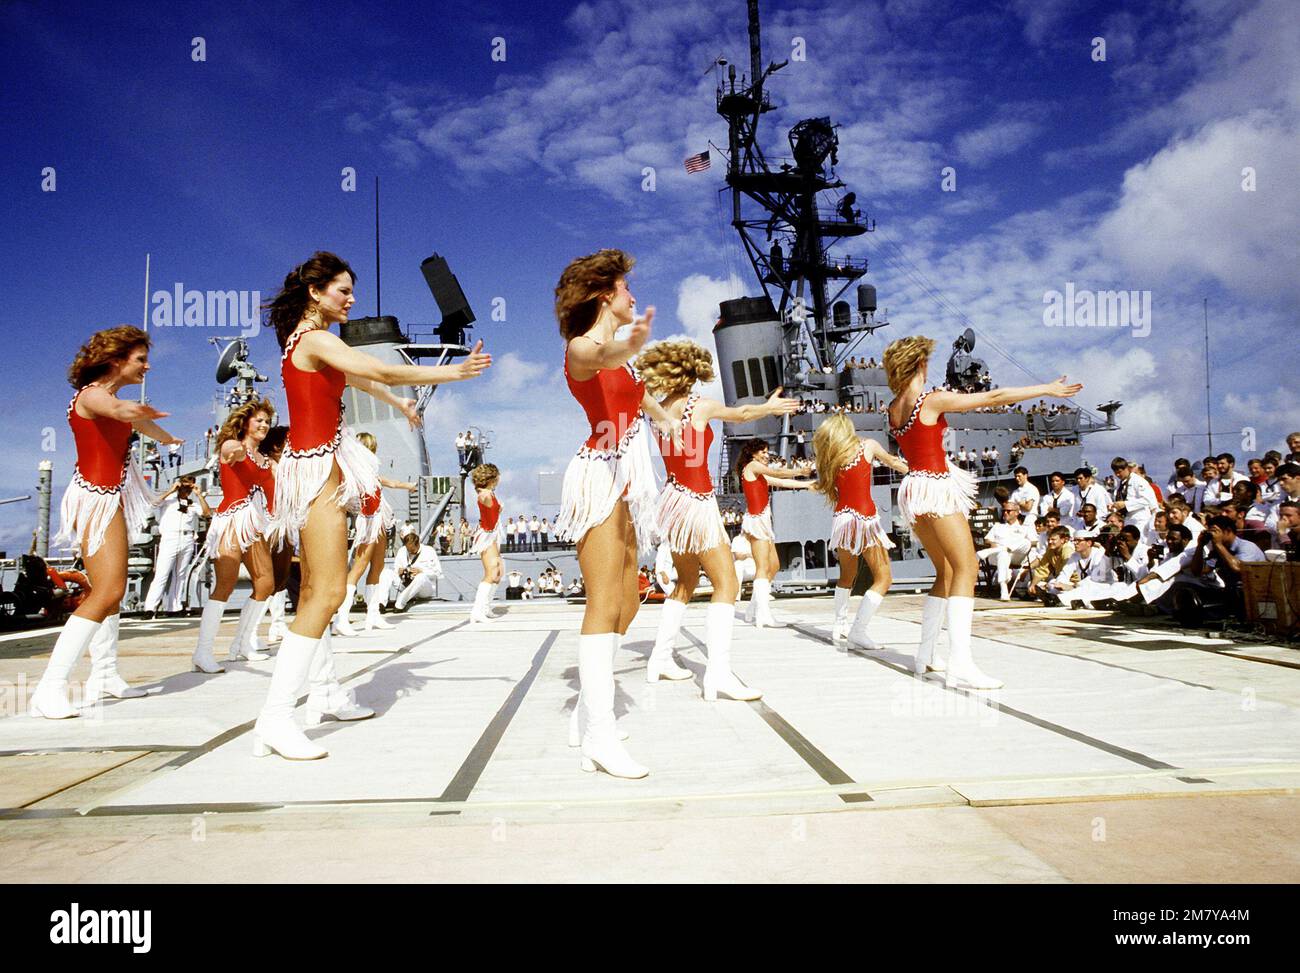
<point x="1180" y="548"/>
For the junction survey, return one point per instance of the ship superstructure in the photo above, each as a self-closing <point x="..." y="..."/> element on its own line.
<point x="794" y="218"/>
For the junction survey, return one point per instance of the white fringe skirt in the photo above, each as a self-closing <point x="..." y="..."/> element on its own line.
<point x="936" y="494"/>
<point x="689" y="522"/>
<point x="372" y="527"/>
<point x="855" y="532"/>
<point x="595" y="482"/>
<point x="759" y="525"/>
<point x="239" y="526"/>
<point x="87" y="509"/>
<point x="300" y="477"/>
<point x="483" y="539"/>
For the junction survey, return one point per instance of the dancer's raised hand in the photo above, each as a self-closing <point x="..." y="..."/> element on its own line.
<point x="409" y="409"/>
<point x="778" y="406"/>
<point x="1061" y="389"/>
<point x="474" y="365"/>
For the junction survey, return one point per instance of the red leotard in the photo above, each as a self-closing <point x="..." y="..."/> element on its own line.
<point x="612" y="400"/>
<point x="922" y="445"/>
<point x="103" y="445"/>
<point x="370" y="503"/>
<point x="488" y="516"/>
<point x="315" y="401"/>
<point x="237" y="482"/>
<point x="853" y="483"/>
<point x="266" y="479"/>
<point x="689" y="466"/>
<point x="756" y="494"/>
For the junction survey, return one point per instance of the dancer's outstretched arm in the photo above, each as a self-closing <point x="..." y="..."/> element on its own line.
<point x="941" y="401"/>
<point x="383" y="393"/>
<point x="877" y="452"/>
<point x="707" y="409"/>
<point x="326" y="348"/>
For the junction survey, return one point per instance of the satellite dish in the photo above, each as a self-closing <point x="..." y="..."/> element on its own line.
<point x="233" y="353"/>
<point x="967" y="341"/>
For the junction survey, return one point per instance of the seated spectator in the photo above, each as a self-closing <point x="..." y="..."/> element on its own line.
<point x="1220" y="553"/>
<point x="1189" y="488"/>
<point x="1245" y="496"/>
<point x="1050" y="562"/>
<point x="1087" y="574"/>
<point x="1288" y="481"/>
<point x="1286" y="529"/>
<point x="1088" y="521"/>
<point x="1009" y="543"/>
<point x="1155" y="586"/>
<point x="1130" y="555"/>
<point x="1293" y="444"/>
<point x="528" y="589"/>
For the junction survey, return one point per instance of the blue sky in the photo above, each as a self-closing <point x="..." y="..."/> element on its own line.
<point x="1122" y="174"/>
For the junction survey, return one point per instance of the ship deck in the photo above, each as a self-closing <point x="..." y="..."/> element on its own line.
<point x="1121" y="750"/>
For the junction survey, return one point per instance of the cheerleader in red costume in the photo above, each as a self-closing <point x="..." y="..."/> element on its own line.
<point x="105" y="504"/>
<point x="844" y="464"/>
<point x="936" y="495"/>
<point x="688" y="518"/>
<point x="607" y="504"/>
<point x="281" y="552"/>
<point x="237" y="534"/>
<point x="323" y="474"/>
<point x="757" y="477"/>
<point x="487" y="539"/>
<point x="369" y="548"/>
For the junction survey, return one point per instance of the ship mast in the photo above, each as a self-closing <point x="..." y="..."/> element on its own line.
<point x="791" y="259"/>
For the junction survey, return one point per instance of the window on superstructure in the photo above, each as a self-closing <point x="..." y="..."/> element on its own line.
<point x="364" y="410"/>
<point x="756" y="378"/>
<point x="738" y="377"/>
<point x="769" y="369"/>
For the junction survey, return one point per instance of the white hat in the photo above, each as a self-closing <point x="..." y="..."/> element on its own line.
<point x="406" y="530"/>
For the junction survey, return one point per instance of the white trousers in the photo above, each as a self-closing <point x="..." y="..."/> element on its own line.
<point x="421" y="586"/>
<point x="1005" y="559"/>
<point x="175" y="555"/>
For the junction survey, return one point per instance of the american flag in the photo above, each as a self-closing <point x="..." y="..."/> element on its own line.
<point x="698" y="163"/>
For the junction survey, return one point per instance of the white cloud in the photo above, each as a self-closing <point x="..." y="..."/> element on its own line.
<point x="993" y="141"/>
<point x="1185" y="210"/>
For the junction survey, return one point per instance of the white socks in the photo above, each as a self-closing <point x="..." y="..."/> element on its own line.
<point x="51" y="697"/>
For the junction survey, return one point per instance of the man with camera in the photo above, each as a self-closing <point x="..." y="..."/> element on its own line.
<point x="1215" y="570"/>
<point x="178" y="515"/>
<point x="417" y="566"/>
<point x="1134" y="497"/>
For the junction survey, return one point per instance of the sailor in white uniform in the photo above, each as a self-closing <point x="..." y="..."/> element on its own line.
<point x="178" y="526"/>
<point x="1092" y="567"/>
<point x="1025" y="496"/>
<point x="1134" y="496"/>
<point x="1065" y="501"/>
<point x="417" y="566"/>
<point x="1009" y="543"/>
<point x="1088" y="490"/>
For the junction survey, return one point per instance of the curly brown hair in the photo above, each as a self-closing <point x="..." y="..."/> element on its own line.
<point x="104" y="350"/>
<point x="285" y="311"/>
<point x="583" y="283"/>
<point x="236" y="424"/>
<point x="748" y="450"/>
<point x="485" y="475"/>
<point x="672" y="367"/>
<point x="904" y="358"/>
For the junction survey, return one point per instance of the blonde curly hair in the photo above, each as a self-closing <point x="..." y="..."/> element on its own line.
<point x="835" y="446"/>
<point x="485" y="475"/>
<point x="582" y="284"/>
<point x="904" y="358"/>
<point x="369" y="441"/>
<point x="673" y="367"/>
<point x="237" y="419"/>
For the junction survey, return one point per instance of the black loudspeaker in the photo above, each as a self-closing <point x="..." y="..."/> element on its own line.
<point x="445" y="288"/>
